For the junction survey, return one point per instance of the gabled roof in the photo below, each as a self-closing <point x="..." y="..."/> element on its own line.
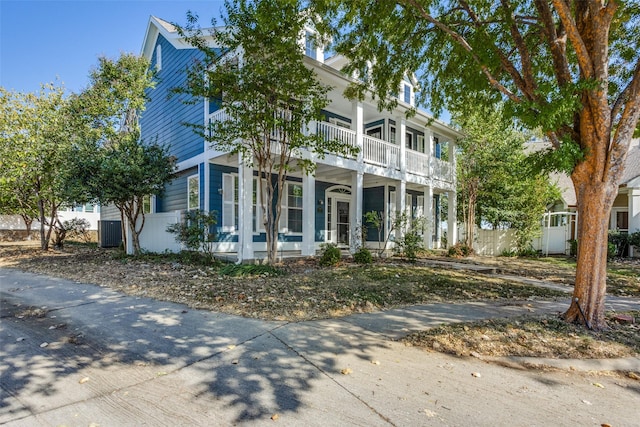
<point x="158" y="26"/>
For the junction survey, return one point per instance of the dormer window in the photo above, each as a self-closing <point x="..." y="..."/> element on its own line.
<point x="158" y="58"/>
<point x="407" y="94"/>
<point x="310" y="45"/>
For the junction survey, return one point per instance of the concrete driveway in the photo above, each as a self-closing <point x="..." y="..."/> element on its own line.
<point x="80" y="355"/>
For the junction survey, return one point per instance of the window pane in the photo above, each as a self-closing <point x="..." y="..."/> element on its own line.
<point x="295" y="220"/>
<point x="193" y="201"/>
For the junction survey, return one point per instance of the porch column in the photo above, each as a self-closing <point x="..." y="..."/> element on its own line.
<point x="428" y="215"/>
<point x="245" y="211"/>
<point x="452" y="223"/>
<point x="401" y="189"/>
<point x="357" y="119"/>
<point x="355" y="211"/>
<point x="207" y="186"/>
<point x="428" y="142"/>
<point x="308" y="215"/>
<point x="401" y="128"/>
<point x="634" y="215"/>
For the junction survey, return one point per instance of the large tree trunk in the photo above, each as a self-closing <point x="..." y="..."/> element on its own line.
<point x="594" y="207"/>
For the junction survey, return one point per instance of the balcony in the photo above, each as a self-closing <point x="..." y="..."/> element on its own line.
<point x="376" y="151"/>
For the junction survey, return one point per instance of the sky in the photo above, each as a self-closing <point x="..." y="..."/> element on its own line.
<point x="45" y="40"/>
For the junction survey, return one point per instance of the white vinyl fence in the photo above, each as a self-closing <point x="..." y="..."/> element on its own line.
<point x="557" y="229"/>
<point x="154" y="236"/>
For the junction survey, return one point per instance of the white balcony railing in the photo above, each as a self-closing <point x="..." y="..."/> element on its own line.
<point x="379" y="152"/>
<point x="374" y="151"/>
<point x="442" y="170"/>
<point x="417" y="162"/>
<point x="331" y="132"/>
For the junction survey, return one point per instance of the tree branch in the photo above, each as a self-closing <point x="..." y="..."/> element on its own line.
<point x="557" y="43"/>
<point x="465" y="45"/>
<point x="584" y="59"/>
<point x="525" y="57"/>
<point x="627" y="93"/>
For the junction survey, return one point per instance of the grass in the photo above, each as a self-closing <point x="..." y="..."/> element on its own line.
<point x="546" y="336"/>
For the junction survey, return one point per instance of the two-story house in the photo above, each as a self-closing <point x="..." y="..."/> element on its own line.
<point x="400" y="166"/>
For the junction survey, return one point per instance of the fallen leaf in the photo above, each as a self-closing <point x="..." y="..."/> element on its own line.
<point x="476" y="374"/>
<point x="274" y="417"/>
<point x="586" y="402"/>
<point x="429" y="413"/>
<point x="633" y="376"/>
<point x="598" y="385"/>
<point x="231" y="346"/>
<point x="375" y="362"/>
<point x="44" y="344"/>
<point x="84" y="380"/>
<point x="234" y="362"/>
<point x="346" y="371"/>
<point x="23" y="338"/>
<point x="161" y="374"/>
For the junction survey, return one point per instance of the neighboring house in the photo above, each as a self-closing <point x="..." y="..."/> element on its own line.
<point x="399" y="168"/>
<point x="13" y="226"/>
<point x="625" y="213"/>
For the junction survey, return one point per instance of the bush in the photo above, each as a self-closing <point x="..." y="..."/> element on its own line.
<point x="508" y="253"/>
<point x="618" y="244"/>
<point x="460" y="250"/>
<point x="410" y="244"/>
<point x="363" y="256"/>
<point x="573" y="247"/>
<point x="331" y="255"/>
<point x="634" y="239"/>
<point x="195" y="231"/>
<point x="76" y="228"/>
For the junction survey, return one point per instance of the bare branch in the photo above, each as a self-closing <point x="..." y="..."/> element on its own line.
<point x="527" y="68"/>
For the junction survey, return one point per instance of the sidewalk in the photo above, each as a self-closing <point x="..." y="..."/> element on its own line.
<point x="115" y="360"/>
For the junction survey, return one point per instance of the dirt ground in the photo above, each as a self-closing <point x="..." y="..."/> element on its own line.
<point x="305" y="291"/>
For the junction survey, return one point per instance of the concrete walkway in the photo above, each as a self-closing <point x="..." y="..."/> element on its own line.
<point x="102" y="358"/>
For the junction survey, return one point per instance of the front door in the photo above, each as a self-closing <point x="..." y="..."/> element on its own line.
<point x="342" y="222"/>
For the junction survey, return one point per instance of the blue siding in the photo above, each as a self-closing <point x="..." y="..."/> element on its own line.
<point x="329" y="115"/>
<point x="373" y="200"/>
<point x="175" y="193"/>
<point x="165" y="115"/>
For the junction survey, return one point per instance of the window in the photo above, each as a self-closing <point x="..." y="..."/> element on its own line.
<point x="408" y="205"/>
<point x="409" y="140"/>
<point x="294" y="208"/>
<point x="146" y="204"/>
<point x="392" y="134"/>
<point x="421" y="143"/>
<point x="375" y="132"/>
<point x="258" y="224"/>
<point x="193" y="192"/>
<point x="436" y="147"/>
<point x="407" y="94"/>
<point x="309" y="45"/>
<point x="158" y="57"/>
<point x="229" y="202"/>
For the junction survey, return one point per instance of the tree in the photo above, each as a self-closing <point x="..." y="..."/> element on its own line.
<point x="268" y="94"/>
<point x="496" y="184"/>
<point x="36" y="164"/>
<point x="130" y="171"/>
<point x="119" y="167"/>
<point x="570" y="68"/>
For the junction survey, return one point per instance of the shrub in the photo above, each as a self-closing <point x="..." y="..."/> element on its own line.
<point x="573" y="247"/>
<point x="363" y="256"/>
<point x="460" y="250"/>
<point x="634" y="239"/>
<point x="508" y="253"/>
<point x="195" y="231"/>
<point x="76" y="228"/>
<point x="331" y="255"/>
